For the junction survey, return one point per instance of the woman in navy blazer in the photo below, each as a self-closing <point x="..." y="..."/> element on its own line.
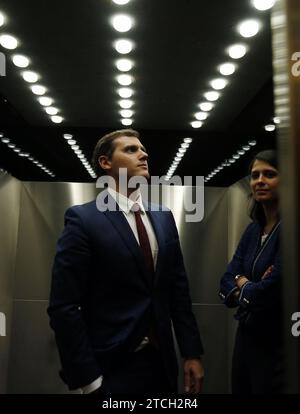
<point x="252" y="283"/>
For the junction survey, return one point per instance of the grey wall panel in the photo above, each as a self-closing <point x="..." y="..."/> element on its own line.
<point x="34" y="364"/>
<point x="9" y="219"/>
<point x="204" y="247"/>
<point x="41" y="222"/>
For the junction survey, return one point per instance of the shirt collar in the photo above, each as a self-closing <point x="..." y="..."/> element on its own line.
<point x="126" y="203"/>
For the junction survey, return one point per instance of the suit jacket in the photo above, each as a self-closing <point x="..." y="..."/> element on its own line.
<point x="259" y="302"/>
<point x="102" y="300"/>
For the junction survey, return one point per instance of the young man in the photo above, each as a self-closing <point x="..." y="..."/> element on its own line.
<point x="119" y="285"/>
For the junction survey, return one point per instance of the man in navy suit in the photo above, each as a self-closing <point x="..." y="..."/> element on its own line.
<point x="119" y="286"/>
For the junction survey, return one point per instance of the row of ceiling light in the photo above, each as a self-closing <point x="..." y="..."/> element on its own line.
<point x="246" y="29"/>
<point x="178" y="157"/>
<point x="23" y="62"/>
<point x="78" y="152"/>
<point x="227" y="163"/>
<point x="26" y="155"/>
<point x="123" y="23"/>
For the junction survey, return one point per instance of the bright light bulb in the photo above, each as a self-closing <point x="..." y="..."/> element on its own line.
<point x="125" y="92"/>
<point x="8" y="42"/>
<point x="248" y="28"/>
<point x="56" y="119"/>
<point x="218" y="83"/>
<point x="38" y="89"/>
<point x="237" y="51"/>
<point x="2" y="19"/>
<point x="125" y="80"/>
<point x="121" y="2"/>
<point x="45" y="101"/>
<point x="126" y="113"/>
<point x="212" y="95"/>
<point x="201" y="116"/>
<point x="20" y="61"/>
<point x="124" y="65"/>
<point x="270" y="127"/>
<point x="123" y="46"/>
<point x="122" y="23"/>
<point x="206" y="106"/>
<point x="227" y="69"/>
<point x="30" y="77"/>
<point x="263" y="4"/>
<point x="196" y="124"/>
<point x="51" y="110"/>
<point x="126" y="121"/>
<point x="126" y="103"/>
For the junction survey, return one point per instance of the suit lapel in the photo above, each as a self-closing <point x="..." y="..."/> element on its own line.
<point x="121" y="225"/>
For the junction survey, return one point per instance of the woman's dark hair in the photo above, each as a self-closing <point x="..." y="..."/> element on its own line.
<point x="256" y="211"/>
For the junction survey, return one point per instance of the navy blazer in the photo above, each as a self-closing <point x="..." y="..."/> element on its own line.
<point x="259" y="301"/>
<point x="101" y="295"/>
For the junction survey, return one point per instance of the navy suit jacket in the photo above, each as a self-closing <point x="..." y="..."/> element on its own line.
<point x="260" y="305"/>
<point x="101" y="296"/>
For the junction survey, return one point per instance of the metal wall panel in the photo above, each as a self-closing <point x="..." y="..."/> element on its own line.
<point x="9" y="219"/>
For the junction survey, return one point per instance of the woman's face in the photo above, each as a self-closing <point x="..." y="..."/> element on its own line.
<point x="264" y="182"/>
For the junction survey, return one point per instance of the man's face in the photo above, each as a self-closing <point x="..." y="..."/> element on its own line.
<point x="128" y="153"/>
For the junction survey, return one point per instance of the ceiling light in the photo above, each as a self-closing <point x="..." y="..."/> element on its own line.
<point x="125" y="92"/>
<point x="237" y="51"/>
<point x="11" y="145"/>
<point x="17" y="150"/>
<point x="125" y="80"/>
<point x="51" y="110"/>
<point x="270" y="127"/>
<point x="182" y="150"/>
<point x="201" y="116"/>
<point x="227" y="69"/>
<point x="38" y="89"/>
<point x="75" y="147"/>
<point x="179" y="155"/>
<point x="123" y="46"/>
<point x="126" y="121"/>
<point x="177" y="159"/>
<point x="263" y="4"/>
<point x="125" y="103"/>
<point x="124" y="65"/>
<point x="206" y="106"/>
<point x="252" y="143"/>
<point x="185" y="145"/>
<point x="188" y="140"/>
<point x="45" y="101"/>
<point x="236" y="156"/>
<point x="20" y="61"/>
<point x="276" y="120"/>
<point x="248" y="28"/>
<point x="126" y="113"/>
<point x="8" y="41"/>
<point x="121" y="2"/>
<point x="56" y="119"/>
<point x="219" y="83"/>
<point x="5" y="140"/>
<point x="196" y="124"/>
<point x="212" y="96"/>
<point x="246" y="147"/>
<point x="241" y="152"/>
<point x="30" y="77"/>
<point x="70" y="141"/>
<point x="122" y="23"/>
<point x="2" y="19"/>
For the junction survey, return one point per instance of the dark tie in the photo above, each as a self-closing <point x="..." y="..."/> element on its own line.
<point x="144" y="240"/>
<point x="147" y="253"/>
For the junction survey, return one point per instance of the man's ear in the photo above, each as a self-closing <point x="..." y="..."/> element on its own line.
<point x="104" y="162"/>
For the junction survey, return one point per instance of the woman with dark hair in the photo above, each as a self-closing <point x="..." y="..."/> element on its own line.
<point x="252" y="283"/>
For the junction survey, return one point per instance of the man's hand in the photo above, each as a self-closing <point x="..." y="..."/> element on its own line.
<point x="267" y="272"/>
<point x="193" y="375"/>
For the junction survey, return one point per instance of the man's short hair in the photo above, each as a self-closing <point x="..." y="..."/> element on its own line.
<point x="105" y="146"/>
